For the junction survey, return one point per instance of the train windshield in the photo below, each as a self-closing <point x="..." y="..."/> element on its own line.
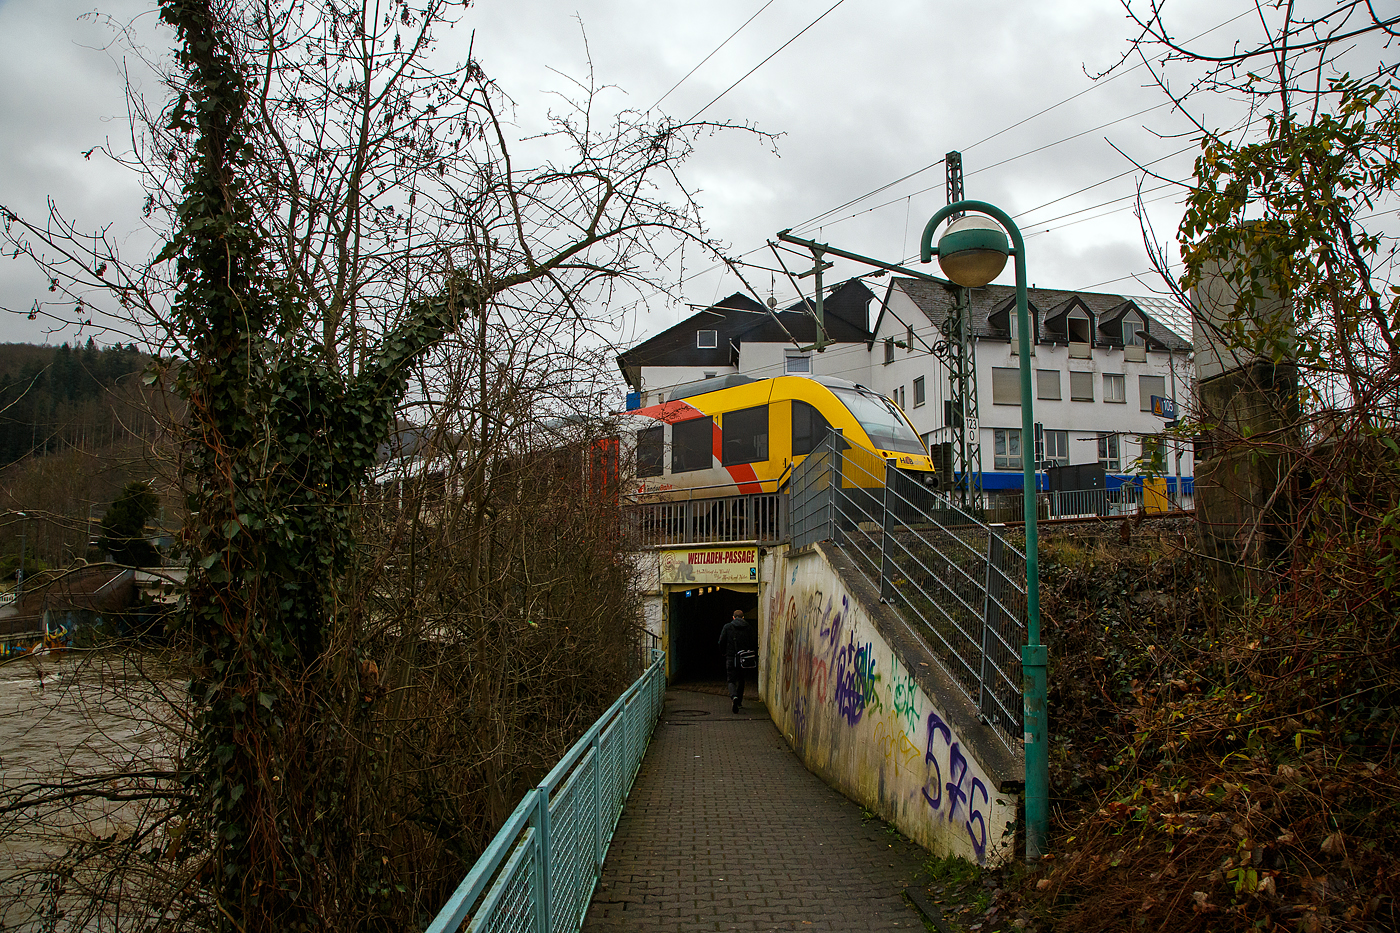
<point x="881" y="420"/>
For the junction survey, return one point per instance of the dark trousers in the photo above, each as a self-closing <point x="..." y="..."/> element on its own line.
<point x="735" y="675"/>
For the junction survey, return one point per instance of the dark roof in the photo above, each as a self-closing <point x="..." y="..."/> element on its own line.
<point x="739" y="319"/>
<point x="992" y="305"/>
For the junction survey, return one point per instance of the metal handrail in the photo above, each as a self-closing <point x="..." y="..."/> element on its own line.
<point x="539" y="871"/>
<point x="950" y="574"/>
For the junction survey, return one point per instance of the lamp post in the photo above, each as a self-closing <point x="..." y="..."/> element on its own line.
<point x="19" y="573"/>
<point x="972" y="252"/>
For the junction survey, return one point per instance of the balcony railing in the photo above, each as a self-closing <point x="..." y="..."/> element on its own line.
<point x="693" y="517"/>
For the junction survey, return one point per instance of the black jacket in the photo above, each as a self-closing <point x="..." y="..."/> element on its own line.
<point x="736" y="635"/>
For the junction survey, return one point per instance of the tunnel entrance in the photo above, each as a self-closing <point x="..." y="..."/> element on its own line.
<point x="695" y="616"/>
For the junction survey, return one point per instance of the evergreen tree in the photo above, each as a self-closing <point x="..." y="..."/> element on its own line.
<point x="124" y="526"/>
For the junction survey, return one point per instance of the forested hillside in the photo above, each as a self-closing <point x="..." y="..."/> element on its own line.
<point x="76" y="426"/>
<point x="55" y="398"/>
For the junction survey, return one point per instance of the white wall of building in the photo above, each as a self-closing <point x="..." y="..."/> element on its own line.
<point x="658" y="380"/>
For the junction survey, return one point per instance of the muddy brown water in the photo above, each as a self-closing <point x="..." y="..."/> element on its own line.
<point x="74" y="715"/>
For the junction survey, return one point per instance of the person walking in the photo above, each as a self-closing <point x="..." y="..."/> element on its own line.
<point x="739" y="639"/>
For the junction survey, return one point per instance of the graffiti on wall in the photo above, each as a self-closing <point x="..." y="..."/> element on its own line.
<point x="944" y="757"/>
<point x="829" y="672"/>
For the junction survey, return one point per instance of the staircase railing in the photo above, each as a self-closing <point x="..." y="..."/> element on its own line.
<point x="958" y="581"/>
<point x="538" y="873"/>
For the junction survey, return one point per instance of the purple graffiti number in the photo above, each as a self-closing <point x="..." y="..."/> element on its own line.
<point x="979" y="842"/>
<point x="935" y="724"/>
<point x="955" y="792"/>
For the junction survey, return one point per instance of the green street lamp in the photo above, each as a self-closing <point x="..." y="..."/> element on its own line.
<point x="972" y="252"/>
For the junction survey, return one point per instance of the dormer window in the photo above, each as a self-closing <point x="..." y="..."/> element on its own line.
<point x="1014" y="329"/>
<point x="1134" y="338"/>
<point x="706" y="339"/>
<point x="1078" y="330"/>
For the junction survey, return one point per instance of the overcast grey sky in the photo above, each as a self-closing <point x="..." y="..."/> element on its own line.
<point x="876" y="90"/>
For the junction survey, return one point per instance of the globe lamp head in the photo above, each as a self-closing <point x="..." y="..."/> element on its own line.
<point x="973" y="250"/>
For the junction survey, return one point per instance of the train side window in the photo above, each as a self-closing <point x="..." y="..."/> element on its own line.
<point x="745" y="435"/>
<point x="692" y="445"/>
<point x="651" y="450"/>
<point x="808" y="428"/>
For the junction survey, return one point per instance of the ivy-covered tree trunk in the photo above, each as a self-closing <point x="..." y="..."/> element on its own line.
<point x="278" y="447"/>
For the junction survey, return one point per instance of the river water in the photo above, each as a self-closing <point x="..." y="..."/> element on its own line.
<point x="72" y="716"/>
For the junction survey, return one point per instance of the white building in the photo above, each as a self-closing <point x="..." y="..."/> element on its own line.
<point x="1098" y="362"/>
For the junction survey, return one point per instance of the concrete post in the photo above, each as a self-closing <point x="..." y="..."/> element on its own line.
<point x="1248" y="397"/>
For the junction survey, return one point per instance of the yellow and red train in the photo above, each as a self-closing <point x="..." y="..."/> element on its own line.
<point x="735" y="434"/>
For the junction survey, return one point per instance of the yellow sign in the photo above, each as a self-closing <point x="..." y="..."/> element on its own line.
<point x="710" y="565"/>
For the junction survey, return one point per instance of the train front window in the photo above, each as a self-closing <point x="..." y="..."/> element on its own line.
<point x="651" y="448"/>
<point x="808" y="428"/>
<point x="692" y="445"/>
<point x="745" y="435"/>
<point x="881" y="420"/>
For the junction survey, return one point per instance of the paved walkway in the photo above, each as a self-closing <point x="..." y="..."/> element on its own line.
<point x="805" y="858"/>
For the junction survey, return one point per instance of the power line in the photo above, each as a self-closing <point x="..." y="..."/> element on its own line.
<point x="708" y="57"/>
<point x="807" y="224"/>
<point x="765" y="61"/>
<point x="825" y="218"/>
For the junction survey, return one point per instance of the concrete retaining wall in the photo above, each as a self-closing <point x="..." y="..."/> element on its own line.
<point x="865" y="705"/>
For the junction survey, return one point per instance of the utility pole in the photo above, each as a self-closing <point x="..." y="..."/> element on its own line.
<point x="961" y="363"/>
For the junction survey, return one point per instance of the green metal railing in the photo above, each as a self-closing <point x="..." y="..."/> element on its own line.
<point x="538" y="873"/>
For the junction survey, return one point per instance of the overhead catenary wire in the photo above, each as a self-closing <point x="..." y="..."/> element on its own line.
<point x="771" y="56"/>
<point x="712" y="54"/>
<point x="809" y="222"/>
<point x="821" y="218"/>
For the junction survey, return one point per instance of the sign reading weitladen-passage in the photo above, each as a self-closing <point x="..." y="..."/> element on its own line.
<point x="710" y="565"/>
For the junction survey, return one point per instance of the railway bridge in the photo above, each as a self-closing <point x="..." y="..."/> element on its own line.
<point x="888" y="686"/>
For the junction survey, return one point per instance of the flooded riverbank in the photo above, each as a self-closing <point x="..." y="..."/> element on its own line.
<point x="64" y="721"/>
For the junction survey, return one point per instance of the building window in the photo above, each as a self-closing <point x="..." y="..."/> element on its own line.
<point x="651" y="448"/>
<point x="1006" y="386"/>
<point x="1078" y="329"/>
<point x="919" y="396"/>
<point x="745" y="435"/>
<point x="1154" y="454"/>
<point x="1108" y="454"/>
<point x="897" y="396"/>
<point x="692" y="445"/>
<point x="1134" y="340"/>
<point x="1007" y="443"/>
<point x="1114" y="388"/>
<point x="706" y="339"/>
<point x="1047" y="384"/>
<point x="889" y="350"/>
<point x="1132" y="331"/>
<point x="1149" y="386"/>
<point x="1013" y="327"/>
<point x="1081" y="387"/>
<point x="1056" y="447"/>
<point x="808" y="428"/>
<point x="796" y="362"/>
<point x="952" y="414"/>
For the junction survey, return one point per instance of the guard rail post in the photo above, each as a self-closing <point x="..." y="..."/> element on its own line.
<point x="886" y="529"/>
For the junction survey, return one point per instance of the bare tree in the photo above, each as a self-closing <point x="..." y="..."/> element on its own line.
<point x="339" y="208"/>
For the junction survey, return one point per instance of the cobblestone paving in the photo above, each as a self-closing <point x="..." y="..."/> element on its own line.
<point x="726" y="830"/>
